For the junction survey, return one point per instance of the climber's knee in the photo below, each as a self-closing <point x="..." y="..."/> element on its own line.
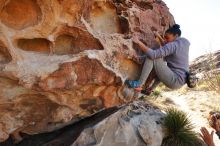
<point x="158" y="60"/>
<point x="158" y="63"/>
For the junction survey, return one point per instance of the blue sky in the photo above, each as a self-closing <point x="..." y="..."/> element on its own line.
<point x="200" y="23"/>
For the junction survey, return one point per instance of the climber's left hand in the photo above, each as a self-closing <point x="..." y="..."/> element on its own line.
<point x="135" y="39"/>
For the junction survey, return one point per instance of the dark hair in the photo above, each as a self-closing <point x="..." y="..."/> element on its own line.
<point x="175" y="30"/>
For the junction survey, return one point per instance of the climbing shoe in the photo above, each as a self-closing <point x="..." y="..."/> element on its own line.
<point x="147" y="91"/>
<point x="132" y="84"/>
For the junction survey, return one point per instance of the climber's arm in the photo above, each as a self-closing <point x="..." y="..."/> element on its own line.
<point x="164" y="51"/>
<point x="141" y="45"/>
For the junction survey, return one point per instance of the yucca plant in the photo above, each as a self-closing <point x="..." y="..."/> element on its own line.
<point x="179" y="130"/>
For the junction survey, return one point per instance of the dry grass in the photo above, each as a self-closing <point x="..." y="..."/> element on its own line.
<point x="211" y="82"/>
<point x="211" y="76"/>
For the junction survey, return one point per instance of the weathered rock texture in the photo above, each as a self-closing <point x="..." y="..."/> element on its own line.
<point x="206" y="63"/>
<point x="137" y="124"/>
<point x="63" y="60"/>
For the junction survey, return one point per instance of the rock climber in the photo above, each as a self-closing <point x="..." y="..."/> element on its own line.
<point x="170" y="62"/>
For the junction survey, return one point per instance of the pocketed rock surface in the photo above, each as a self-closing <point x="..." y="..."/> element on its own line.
<point x="63" y="60"/>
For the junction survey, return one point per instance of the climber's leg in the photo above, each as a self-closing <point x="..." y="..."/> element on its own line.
<point x="165" y="74"/>
<point x="155" y="83"/>
<point x="147" y="68"/>
<point x="149" y="90"/>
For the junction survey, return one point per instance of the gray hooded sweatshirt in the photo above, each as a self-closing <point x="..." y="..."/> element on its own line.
<point x="176" y="54"/>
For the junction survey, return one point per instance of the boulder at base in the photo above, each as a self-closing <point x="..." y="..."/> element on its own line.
<point x="137" y="124"/>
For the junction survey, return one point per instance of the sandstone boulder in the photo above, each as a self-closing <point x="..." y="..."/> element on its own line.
<point x="63" y="60"/>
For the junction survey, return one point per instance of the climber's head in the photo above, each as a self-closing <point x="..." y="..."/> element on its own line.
<point x="172" y="33"/>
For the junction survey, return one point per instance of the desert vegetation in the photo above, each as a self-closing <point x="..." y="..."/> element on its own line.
<point x="179" y="129"/>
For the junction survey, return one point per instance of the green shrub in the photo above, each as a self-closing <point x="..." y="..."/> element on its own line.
<point x="179" y="130"/>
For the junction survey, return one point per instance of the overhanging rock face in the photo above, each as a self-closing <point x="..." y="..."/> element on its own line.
<point x="63" y="60"/>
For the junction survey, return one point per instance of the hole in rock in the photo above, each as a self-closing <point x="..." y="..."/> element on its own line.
<point x="63" y="45"/>
<point x="19" y="14"/>
<point x="68" y="44"/>
<point x="104" y="18"/>
<point x="125" y="13"/>
<point x="124" y="24"/>
<point x="37" y="45"/>
<point x="119" y="1"/>
<point x="120" y="8"/>
<point x="5" y="56"/>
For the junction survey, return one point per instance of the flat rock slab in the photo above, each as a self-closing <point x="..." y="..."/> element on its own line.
<point x="137" y="124"/>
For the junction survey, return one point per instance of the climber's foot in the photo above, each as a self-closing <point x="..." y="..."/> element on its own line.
<point x="147" y="91"/>
<point x="138" y="89"/>
<point x="133" y="84"/>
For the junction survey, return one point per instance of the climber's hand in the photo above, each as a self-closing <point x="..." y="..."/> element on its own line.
<point x="135" y="39"/>
<point x="159" y="38"/>
<point x="208" y="138"/>
<point x="156" y="33"/>
<point x="135" y="57"/>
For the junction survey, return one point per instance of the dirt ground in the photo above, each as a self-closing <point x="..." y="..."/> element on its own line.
<point x="197" y="103"/>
